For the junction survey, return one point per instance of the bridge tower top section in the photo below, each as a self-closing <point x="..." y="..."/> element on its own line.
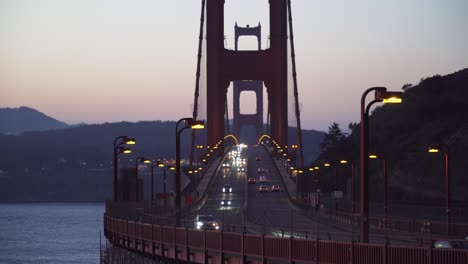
<point x="248" y="31"/>
<point x="269" y="66"/>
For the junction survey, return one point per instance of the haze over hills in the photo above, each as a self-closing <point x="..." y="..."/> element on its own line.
<point x="18" y="120"/>
<point x="74" y="164"/>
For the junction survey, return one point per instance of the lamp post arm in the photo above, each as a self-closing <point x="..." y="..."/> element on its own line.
<point x="364" y="219"/>
<point x="116" y="139"/>
<point x="177" y="168"/>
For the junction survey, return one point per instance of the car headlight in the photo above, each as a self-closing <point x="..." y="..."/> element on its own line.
<point x="199" y="224"/>
<point x="224" y="190"/>
<point x="222" y="202"/>
<point x="229" y="202"/>
<point x="230" y="189"/>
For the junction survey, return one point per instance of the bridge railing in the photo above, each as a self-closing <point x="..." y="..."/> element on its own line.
<point x="198" y="246"/>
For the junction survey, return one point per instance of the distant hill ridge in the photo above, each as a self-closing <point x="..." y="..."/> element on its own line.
<point x="22" y="119"/>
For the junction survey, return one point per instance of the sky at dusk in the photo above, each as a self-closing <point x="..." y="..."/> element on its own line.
<point x="97" y="61"/>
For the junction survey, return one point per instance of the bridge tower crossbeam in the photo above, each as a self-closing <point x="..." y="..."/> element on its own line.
<point x="269" y="66"/>
<point x="256" y="119"/>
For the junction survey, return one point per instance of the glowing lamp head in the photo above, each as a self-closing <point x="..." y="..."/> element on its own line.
<point x="129" y="141"/>
<point x="388" y="96"/>
<point x="327" y="164"/>
<point x="343" y="161"/>
<point x="392" y="100"/>
<point x="198" y="124"/>
<point x="433" y="150"/>
<point x="126" y="151"/>
<point x="316" y="167"/>
<point x="373" y="156"/>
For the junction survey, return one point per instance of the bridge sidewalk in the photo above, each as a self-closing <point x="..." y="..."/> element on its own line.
<point x="200" y="190"/>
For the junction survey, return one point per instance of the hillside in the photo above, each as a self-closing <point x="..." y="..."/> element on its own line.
<point x="433" y="112"/>
<point x="18" y="120"/>
<point x="74" y="164"/>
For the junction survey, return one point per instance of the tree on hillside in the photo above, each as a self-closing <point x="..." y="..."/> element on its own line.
<point x="333" y="138"/>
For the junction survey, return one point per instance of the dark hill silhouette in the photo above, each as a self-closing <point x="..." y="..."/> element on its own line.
<point x="434" y="111"/>
<point x="74" y="164"/>
<point x="18" y="120"/>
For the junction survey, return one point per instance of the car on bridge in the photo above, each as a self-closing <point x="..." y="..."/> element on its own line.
<point x="205" y="222"/>
<point x="262" y="179"/>
<point x="227" y="188"/>
<point x="225" y="204"/>
<point x="258" y="158"/>
<point x="454" y="243"/>
<point x="240" y="169"/>
<point x="251" y="180"/>
<point x="263" y="188"/>
<point x="275" y="188"/>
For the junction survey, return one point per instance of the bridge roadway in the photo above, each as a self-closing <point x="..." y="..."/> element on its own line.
<point x="260" y="212"/>
<point x="265" y="215"/>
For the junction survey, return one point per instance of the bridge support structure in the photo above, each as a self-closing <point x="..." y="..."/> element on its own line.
<point x="269" y="66"/>
<point x="256" y="119"/>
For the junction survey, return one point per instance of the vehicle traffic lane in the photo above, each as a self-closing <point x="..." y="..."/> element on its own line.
<point x="226" y="214"/>
<point x="273" y="209"/>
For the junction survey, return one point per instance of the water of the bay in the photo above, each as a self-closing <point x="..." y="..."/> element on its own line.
<point x="50" y="233"/>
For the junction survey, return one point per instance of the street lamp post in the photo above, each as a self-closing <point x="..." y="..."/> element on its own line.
<point x="189" y="123"/>
<point x="335" y="180"/>
<point x="153" y="164"/>
<point x="353" y="195"/>
<point x="118" y="142"/>
<point x="162" y="165"/>
<point x="138" y="161"/>
<point x="384" y="172"/>
<point x="381" y="95"/>
<point x="444" y="149"/>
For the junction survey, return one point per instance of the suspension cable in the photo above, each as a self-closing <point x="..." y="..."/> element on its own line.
<point x="197" y="78"/>
<point x="296" y="96"/>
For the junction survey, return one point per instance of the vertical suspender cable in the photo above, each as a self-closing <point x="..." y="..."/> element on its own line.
<point x="296" y="99"/>
<point x="227" y="117"/>
<point x="197" y="80"/>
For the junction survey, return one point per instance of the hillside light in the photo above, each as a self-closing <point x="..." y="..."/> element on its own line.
<point x="433" y="150"/>
<point x="445" y="149"/>
<point x="380" y="95"/>
<point x="118" y="142"/>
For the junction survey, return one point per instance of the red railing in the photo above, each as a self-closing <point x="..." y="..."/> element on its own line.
<point x="196" y="246"/>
